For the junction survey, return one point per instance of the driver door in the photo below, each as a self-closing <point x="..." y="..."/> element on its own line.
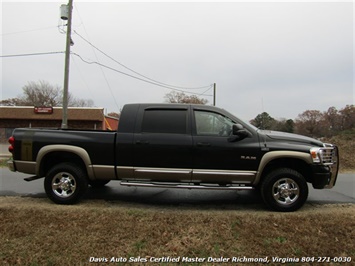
<point x="215" y="158"/>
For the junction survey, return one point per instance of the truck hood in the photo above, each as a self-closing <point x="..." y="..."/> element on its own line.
<point x="289" y="137"/>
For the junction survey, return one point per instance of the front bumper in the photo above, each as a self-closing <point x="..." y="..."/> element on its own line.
<point x="334" y="169"/>
<point x="325" y="176"/>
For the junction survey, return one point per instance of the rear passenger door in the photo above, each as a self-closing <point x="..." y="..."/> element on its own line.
<point x="163" y="144"/>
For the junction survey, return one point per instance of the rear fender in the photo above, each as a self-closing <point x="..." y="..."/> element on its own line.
<point x="78" y="151"/>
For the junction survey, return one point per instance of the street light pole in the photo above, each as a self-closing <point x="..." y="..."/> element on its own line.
<point x="66" y="69"/>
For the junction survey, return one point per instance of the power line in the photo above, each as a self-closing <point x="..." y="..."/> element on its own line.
<point x="203" y="93"/>
<point x="113" y="69"/>
<point x="144" y="80"/>
<point x="137" y="73"/>
<point x="32" y="54"/>
<point x="103" y="73"/>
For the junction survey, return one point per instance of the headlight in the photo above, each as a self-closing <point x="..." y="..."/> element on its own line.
<point x="315" y="154"/>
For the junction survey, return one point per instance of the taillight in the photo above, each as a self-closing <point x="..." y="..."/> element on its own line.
<point x="12" y="144"/>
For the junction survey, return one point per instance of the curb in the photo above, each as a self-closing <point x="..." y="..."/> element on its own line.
<point x="5" y="156"/>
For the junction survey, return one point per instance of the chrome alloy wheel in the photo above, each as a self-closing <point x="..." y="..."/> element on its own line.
<point x="285" y="191"/>
<point x="63" y="184"/>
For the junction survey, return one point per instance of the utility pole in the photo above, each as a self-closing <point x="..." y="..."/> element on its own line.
<point x="66" y="69"/>
<point x="214" y="94"/>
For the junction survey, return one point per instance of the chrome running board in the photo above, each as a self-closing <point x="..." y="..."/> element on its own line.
<point x="186" y="186"/>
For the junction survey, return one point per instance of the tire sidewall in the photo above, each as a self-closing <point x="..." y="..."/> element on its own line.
<point x="80" y="179"/>
<point x="272" y="178"/>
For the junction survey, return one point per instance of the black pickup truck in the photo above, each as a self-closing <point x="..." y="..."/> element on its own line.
<point x="176" y="146"/>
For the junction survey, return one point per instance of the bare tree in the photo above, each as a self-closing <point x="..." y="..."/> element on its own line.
<point x="76" y="102"/>
<point x="42" y="93"/>
<point x="180" y="97"/>
<point x="11" y="102"/>
<point x="348" y="117"/>
<point x="332" y="121"/>
<point x="310" y="123"/>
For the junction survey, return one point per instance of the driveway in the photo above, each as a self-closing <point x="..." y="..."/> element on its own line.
<point x="12" y="184"/>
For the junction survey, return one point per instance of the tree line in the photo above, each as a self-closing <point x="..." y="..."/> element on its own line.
<point x="313" y="123"/>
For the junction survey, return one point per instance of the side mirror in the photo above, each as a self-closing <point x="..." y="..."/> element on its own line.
<point x="237" y="128"/>
<point x="238" y="133"/>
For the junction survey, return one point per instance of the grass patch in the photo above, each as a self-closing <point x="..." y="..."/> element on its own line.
<point x="37" y="232"/>
<point x="3" y="162"/>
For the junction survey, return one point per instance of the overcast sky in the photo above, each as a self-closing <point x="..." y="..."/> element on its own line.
<point x="279" y="57"/>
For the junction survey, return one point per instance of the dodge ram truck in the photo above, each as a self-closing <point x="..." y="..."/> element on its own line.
<point x="176" y="146"/>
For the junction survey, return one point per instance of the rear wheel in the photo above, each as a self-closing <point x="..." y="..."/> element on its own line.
<point x="65" y="183"/>
<point x="284" y="190"/>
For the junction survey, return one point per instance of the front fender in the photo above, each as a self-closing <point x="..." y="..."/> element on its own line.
<point x="273" y="155"/>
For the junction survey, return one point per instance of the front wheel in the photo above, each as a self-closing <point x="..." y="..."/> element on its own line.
<point x="65" y="183"/>
<point x="284" y="190"/>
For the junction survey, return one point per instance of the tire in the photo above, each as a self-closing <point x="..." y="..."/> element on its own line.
<point x="284" y="190"/>
<point x="65" y="183"/>
<point x="98" y="183"/>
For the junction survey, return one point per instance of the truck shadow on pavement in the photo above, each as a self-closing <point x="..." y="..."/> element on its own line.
<point x="192" y="198"/>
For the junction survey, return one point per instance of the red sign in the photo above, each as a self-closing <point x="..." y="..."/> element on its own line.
<point x="43" y="110"/>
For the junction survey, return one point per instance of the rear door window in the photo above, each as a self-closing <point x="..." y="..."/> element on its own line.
<point x="172" y="121"/>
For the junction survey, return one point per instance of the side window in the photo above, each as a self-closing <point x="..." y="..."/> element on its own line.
<point x="165" y="121"/>
<point x="212" y="124"/>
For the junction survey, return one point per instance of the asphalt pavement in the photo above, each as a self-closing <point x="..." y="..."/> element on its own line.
<point x="12" y="184"/>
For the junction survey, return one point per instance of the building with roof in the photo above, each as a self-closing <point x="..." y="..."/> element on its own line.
<point x="12" y="117"/>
